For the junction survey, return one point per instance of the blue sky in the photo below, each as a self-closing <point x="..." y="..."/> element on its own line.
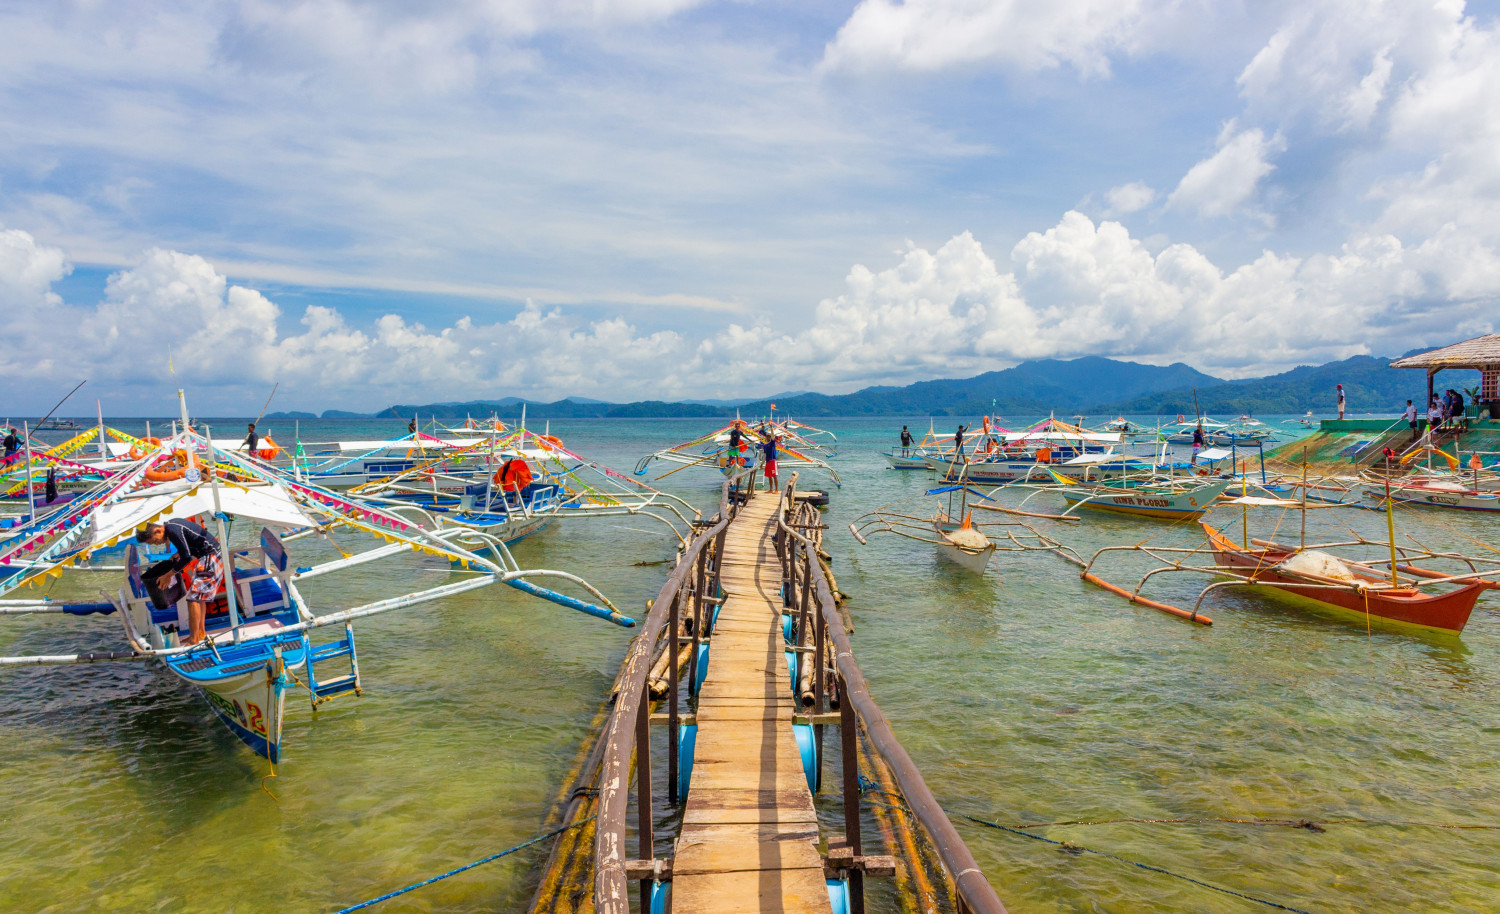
<point x="372" y="202"/>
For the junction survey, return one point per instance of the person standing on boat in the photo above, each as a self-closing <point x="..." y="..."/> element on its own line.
<point x="1411" y="419"/>
<point x="252" y="440"/>
<point x="734" y="438"/>
<point x="769" y="468"/>
<point x="906" y="441"/>
<point x="1197" y="442"/>
<point x="1341" y="400"/>
<point x="190" y="544"/>
<point x="12" y="443"/>
<point x="958" y="441"/>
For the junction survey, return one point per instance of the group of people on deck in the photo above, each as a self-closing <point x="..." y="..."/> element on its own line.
<point x="1441" y="411"/>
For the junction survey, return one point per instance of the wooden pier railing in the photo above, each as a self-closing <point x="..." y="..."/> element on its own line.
<point x="681" y="617"/>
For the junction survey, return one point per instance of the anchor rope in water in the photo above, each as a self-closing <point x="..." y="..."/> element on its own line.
<point x="1080" y="849"/>
<point x="866" y="786"/>
<point x="468" y="866"/>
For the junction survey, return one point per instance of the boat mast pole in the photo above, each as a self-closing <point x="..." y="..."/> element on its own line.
<point x="103" y="451"/>
<point x="1302" y="544"/>
<point x="30" y="497"/>
<point x="225" y="555"/>
<point x="1390" y="517"/>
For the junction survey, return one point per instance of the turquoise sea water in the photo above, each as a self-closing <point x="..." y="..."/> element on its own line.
<point x="1025" y="696"/>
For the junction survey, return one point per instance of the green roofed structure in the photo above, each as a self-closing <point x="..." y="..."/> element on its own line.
<point x="1481" y="353"/>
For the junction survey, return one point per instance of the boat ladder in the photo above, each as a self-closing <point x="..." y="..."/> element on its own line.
<point x="329" y="689"/>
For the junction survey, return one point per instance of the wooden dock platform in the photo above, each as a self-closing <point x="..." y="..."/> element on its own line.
<point x="749" y="839"/>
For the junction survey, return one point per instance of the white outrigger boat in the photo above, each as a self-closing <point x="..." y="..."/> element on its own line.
<point x="259" y="627"/>
<point x="949" y="525"/>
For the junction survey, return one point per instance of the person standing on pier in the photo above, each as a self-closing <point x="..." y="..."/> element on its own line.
<point x="906" y="441"/>
<point x="1341" y="401"/>
<point x="1411" y="419"/>
<point x="772" y="481"/>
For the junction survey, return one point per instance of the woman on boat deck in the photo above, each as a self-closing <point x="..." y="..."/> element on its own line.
<point x="190" y="543"/>
<point x="1197" y="442"/>
<point x="772" y="483"/>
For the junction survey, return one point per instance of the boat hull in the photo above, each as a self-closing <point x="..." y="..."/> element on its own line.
<point x="1162" y="506"/>
<point x="900" y="462"/>
<point x="1434" y="497"/>
<point x="247" y="691"/>
<point x="1447" y="612"/>
<point x="969" y="558"/>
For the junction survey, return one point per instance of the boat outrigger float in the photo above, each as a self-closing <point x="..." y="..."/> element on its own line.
<point x="259" y="627"/>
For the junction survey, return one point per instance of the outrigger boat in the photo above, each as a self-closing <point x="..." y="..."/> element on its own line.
<point x="915" y="457"/>
<point x="536" y="480"/>
<point x="1004" y="456"/>
<point x="1393" y="588"/>
<point x="795" y="452"/>
<point x="259" y="627"/>
<point x="949" y="525"/>
<point x="1174" y="499"/>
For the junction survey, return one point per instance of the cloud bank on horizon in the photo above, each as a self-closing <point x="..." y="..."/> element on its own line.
<point x="656" y="198"/>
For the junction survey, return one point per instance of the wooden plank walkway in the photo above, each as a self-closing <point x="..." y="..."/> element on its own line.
<point x="749" y="840"/>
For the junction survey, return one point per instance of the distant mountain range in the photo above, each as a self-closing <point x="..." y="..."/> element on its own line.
<point x="1092" y="385"/>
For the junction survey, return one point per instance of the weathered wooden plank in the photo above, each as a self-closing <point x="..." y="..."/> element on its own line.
<point x="786" y="891"/>
<point x="750" y="832"/>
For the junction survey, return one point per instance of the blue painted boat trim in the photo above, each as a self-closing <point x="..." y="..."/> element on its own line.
<point x="257" y="743"/>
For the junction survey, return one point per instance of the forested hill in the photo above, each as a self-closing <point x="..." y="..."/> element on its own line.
<point x="1370" y="385"/>
<point x="1091" y="385"/>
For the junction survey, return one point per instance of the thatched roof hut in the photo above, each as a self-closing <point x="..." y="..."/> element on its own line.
<point x="1482" y="353"/>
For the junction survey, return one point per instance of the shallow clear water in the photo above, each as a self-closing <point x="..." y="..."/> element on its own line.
<point x="1025" y="696"/>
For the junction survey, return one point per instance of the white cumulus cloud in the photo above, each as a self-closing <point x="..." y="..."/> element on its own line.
<point x="1129" y="198"/>
<point x="1220" y="184"/>
<point x="934" y="34"/>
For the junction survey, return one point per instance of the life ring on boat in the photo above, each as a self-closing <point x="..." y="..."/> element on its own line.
<point x="176" y="469"/>
<point x="269" y="449"/>
<point x="1181" y="418"/>
<point x="548" y="442"/>
<point x="513" y="474"/>
<point x="135" y="449"/>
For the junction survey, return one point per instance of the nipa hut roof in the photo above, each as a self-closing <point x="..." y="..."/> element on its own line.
<point x="1480" y="352"/>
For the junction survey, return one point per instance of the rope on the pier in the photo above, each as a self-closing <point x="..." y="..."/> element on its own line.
<point x="1080" y="849"/>
<point x="468" y="866"/>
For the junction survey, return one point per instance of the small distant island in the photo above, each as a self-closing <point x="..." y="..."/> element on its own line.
<point x="1092" y="385"/>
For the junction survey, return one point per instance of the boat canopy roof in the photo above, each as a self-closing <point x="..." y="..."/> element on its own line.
<point x="1110" y="457"/>
<point x="268" y="504"/>
<point x="1214" y="453"/>
<point x="1065" y="437"/>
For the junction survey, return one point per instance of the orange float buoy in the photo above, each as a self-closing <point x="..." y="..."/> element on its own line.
<point x="135" y="449"/>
